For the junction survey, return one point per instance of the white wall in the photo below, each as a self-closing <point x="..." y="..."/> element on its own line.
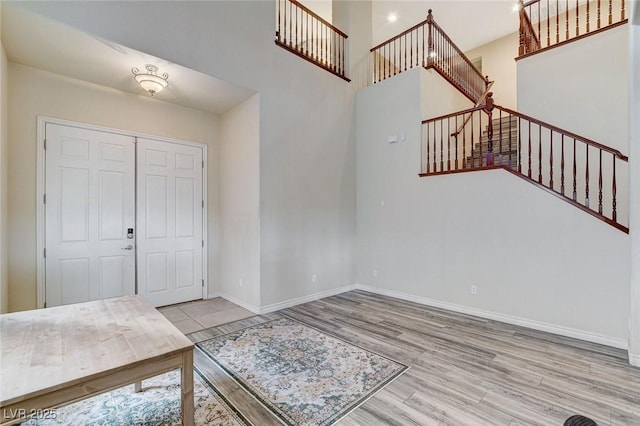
<point x="34" y="92"/>
<point x="499" y="64"/>
<point x="4" y="177"/>
<point x="240" y="204"/>
<point x="355" y="17"/>
<point x="536" y="260"/>
<point x="634" y="179"/>
<point x="582" y="87"/>
<point x="307" y="145"/>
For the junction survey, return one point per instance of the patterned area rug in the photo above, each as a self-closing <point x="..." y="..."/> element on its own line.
<point x="157" y="404"/>
<point x="302" y="375"/>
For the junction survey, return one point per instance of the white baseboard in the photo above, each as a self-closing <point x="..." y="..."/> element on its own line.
<point x="634" y="360"/>
<point x="509" y="319"/>
<point x="524" y="322"/>
<point x="304" y="299"/>
<point x="232" y="299"/>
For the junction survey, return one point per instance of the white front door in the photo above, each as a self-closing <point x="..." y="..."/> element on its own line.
<point x="90" y="206"/>
<point x="169" y="220"/>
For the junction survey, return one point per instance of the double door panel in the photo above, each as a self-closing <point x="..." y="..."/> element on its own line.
<point x="94" y="208"/>
<point x="170" y="237"/>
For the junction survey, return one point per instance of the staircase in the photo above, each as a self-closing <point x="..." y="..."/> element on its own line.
<point x="504" y="145"/>
<point x="578" y="170"/>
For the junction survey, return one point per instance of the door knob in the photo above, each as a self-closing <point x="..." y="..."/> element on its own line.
<point x="129" y="247"/>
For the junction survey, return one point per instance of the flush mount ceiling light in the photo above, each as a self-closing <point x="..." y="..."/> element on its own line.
<point x="150" y="81"/>
<point x="392" y="17"/>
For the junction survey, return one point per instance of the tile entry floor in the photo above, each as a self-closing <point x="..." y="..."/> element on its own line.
<point x="190" y="317"/>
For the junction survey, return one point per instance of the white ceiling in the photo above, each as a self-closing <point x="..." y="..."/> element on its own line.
<point x="37" y="42"/>
<point x="469" y="23"/>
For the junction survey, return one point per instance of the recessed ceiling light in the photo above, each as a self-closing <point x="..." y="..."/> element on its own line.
<point x="392" y="17"/>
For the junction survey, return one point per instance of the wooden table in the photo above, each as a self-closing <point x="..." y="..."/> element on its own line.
<point x="55" y="356"/>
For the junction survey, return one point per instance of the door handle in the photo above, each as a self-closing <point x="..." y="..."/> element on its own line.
<point x="129" y="247"/>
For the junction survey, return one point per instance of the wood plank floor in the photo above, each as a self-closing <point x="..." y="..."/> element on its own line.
<point x="464" y="370"/>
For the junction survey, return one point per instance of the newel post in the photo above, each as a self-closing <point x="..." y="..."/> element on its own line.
<point x="430" y="53"/>
<point x="522" y="42"/>
<point x="488" y="108"/>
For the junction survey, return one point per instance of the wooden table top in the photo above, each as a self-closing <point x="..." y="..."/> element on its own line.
<point x="45" y="350"/>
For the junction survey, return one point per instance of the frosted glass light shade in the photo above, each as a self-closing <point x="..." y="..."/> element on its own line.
<point x="151" y="81"/>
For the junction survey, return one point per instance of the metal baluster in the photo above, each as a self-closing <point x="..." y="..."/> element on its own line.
<point x="519" y="129"/>
<point x="539" y="153"/>
<point x="548" y="25"/>
<point x="577" y="18"/>
<point x="566" y="18"/>
<point x="448" y="143"/>
<point x="586" y="187"/>
<point x="529" y="128"/>
<point x="575" y="179"/>
<point x="551" y="159"/>
<point x="562" y="167"/>
<point x="435" y="167"/>
<point x="427" y="159"/>
<point x="464" y="145"/>
<point x="456" y="123"/>
<point x="441" y="148"/>
<point x="557" y="22"/>
<point x="610" y="12"/>
<point x="614" y="214"/>
<point x="600" y="181"/>
<point x="472" y="142"/>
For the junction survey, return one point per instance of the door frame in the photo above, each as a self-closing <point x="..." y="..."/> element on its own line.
<point x="41" y="184"/>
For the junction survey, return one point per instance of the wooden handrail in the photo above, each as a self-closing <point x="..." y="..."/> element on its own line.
<point x="529" y="3"/>
<point x="564" y="21"/>
<point x="565" y="42"/>
<point x="453" y="114"/>
<point x="581" y="171"/>
<point x="480" y="102"/>
<point x="566" y="133"/>
<point x="556" y="129"/>
<point x="396" y="37"/>
<point x="305" y="34"/>
<point x="426" y="44"/>
<point x="457" y="49"/>
<point x="318" y="17"/>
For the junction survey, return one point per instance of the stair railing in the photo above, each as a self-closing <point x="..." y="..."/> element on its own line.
<point x="304" y="33"/>
<point x="549" y="23"/>
<point x="481" y="101"/>
<point x="528" y="40"/>
<point x="577" y="169"/>
<point x="426" y="44"/>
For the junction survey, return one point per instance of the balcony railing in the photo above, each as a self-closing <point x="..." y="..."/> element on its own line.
<point x="304" y="33"/>
<point x="426" y="44"/>
<point x="549" y="23"/>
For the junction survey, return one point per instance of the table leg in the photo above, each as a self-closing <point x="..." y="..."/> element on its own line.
<point x="138" y="386"/>
<point x="187" y="388"/>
